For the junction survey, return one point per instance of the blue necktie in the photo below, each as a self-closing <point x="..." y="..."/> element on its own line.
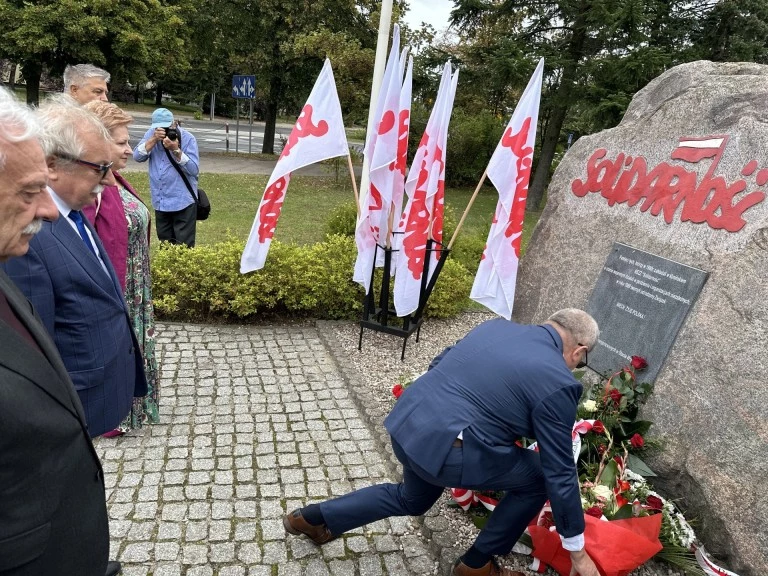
<point x="77" y="218"/>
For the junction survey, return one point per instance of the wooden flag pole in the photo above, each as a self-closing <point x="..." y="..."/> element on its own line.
<point x="354" y="183"/>
<point x="390" y="224"/>
<point x="466" y="211"/>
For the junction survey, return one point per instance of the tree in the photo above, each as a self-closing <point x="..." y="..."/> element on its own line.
<point x="734" y="30"/>
<point x="129" y="38"/>
<point x="598" y="53"/>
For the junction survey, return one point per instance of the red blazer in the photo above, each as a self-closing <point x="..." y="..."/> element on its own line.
<point x="108" y="218"/>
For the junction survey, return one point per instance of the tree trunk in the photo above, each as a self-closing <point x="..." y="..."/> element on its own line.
<point x="158" y="95"/>
<point x="270" y="120"/>
<point x="561" y="101"/>
<point x="136" y="94"/>
<point x="12" y="77"/>
<point x="548" y="148"/>
<point x="32" y="70"/>
<point x="275" y="92"/>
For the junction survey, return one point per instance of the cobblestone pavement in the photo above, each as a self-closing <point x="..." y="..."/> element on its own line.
<point x="256" y="421"/>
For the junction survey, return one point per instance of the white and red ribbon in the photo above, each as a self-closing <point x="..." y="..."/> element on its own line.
<point x="709" y="567"/>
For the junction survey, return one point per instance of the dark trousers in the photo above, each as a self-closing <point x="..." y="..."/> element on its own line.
<point x="177" y="227"/>
<point x="419" y="490"/>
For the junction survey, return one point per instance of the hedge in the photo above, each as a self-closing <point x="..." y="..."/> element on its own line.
<point x="315" y="280"/>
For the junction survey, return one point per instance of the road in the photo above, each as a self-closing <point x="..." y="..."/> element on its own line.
<point x="212" y="136"/>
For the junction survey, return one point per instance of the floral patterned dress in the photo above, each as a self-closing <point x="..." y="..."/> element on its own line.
<point x="138" y="297"/>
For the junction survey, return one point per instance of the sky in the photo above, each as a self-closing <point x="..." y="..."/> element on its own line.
<point x="435" y="12"/>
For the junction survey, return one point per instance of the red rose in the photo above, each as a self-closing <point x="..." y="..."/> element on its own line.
<point x="547" y="520"/>
<point x="654" y="502"/>
<point x="621" y="501"/>
<point x="397" y="390"/>
<point x="637" y="441"/>
<point x="639" y="363"/>
<point x="598" y="427"/>
<point x="619" y="462"/>
<point x="615" y="396"/>
<point x="594" y="511"/>
<point x="622" y="486"/>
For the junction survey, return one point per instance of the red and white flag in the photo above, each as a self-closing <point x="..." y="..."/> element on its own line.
<point x="510" y="171"/>
<point x="318" y="134"/>
<point x="403" y="126"/>
<point x="423" y="214"/>
<point x="381" y="150"/>
<point x="695" y="149"/>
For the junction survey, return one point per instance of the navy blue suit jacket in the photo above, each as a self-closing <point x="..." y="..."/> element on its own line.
<point x="83" y="309"/>
<point x="501" y="382"/>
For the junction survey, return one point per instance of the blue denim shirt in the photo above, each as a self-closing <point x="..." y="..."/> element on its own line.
<point x="169" y="194"/>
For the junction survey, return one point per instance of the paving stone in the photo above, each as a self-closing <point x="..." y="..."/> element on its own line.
<point x="395" y="565"/>
<point x="316" y="567"/>
<point x="249" y="553"/>
<point x="275" y="553"/>
<point x="342" y="568"/>
<point x="245" y="531"/>
<point x="302" y="548"/>
<point x="272" y="530"/>
<point x="167" y="551"/>
<point x="370" y="566"/>
<point x="357" y="544"/>
<point x="257" y="421"/>
<point x="224" y="552"/>
<point x="231" y="571"/>
<point x="166" y="570"/>
<point x="137" y="552"/>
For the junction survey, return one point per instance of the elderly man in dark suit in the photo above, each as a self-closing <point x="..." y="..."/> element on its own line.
<point x="69" y="279"/>
<point x="456" y="426"/>
<point x="53" y="516"/>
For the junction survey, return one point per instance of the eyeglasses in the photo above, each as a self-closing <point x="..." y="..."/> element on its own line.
<point x="583" y="363"/>
<point x="102" y="169"/>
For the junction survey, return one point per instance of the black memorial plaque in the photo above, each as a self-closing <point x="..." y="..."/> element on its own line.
<point x="640" y="302"/>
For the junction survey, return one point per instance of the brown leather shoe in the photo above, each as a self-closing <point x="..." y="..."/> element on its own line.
<point x="490" y="569"/>
<point x="295" y="524"/>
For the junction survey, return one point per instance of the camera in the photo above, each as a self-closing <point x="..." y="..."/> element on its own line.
<point x="171" y="133"/>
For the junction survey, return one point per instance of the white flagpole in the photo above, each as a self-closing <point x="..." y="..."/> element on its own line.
<point x="378" y="75"/>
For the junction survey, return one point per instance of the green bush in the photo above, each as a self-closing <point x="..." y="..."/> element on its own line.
<point x="472" y="138"/>
<point x="451" y="291"/>
<point x="468" y="249"/>
<point x="311" y="281"/>
<point x="342" y="220"/>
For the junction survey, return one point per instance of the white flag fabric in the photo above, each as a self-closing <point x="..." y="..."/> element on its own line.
<point x="424" y="187"/>
<point x="318" y="134"/>
<point x="510" y="171"/>
<point x="402" y="139"/>
<point x="381" y="151"/>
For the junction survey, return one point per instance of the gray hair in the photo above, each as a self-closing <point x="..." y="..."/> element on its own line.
<point x="78" y="74"/>
<point x="580" y="325"/>
<point x="65" y="121"/>
<point x="17" y="122"/>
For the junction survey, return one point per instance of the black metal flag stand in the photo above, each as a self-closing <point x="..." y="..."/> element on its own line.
<point x="379" y="317"/>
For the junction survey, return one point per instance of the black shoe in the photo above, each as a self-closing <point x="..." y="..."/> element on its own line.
<point x="113" y="568"/>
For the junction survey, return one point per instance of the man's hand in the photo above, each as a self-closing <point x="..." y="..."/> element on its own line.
<point x="170" y="145"/>
<point x="582" y="564"/>
<point x="157" y="136"/>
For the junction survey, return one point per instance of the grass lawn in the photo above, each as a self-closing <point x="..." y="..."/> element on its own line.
<point x="308" y="204"/>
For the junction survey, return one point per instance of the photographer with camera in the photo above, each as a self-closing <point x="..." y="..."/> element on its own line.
<point x="171" y="151"/>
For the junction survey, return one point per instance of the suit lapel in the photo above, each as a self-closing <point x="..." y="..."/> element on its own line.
<point x="17" y="355"/>
<point x="72" y="242"/>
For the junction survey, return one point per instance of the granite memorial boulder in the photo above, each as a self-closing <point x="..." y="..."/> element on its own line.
<point x="683" y="177"/>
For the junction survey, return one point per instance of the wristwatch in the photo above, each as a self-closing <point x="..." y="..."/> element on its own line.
<point x="177" y="152"/>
